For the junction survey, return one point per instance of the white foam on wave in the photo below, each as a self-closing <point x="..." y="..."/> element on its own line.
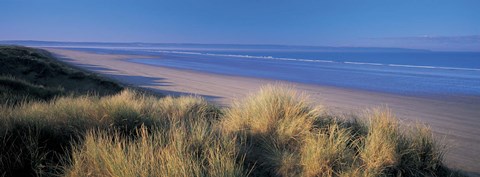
<point x="317" y="61"/>
<point x="179" y="52"/>
<point x="245" y="56"/>
<point x="434" y="67"/>
<point x="361" y="63"/>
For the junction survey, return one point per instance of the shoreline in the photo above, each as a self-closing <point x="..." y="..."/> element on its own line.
<point x="453" y="119"/>
<point x="464" y="98"/>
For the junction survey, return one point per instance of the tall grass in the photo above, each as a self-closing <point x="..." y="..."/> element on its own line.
<point x="327" y="152"/>
<point x="161" y="153"/>
<point x="381" y="145"/>
<point x="275" y="132"/>
<point x="285" y="136"/>
<point x="180" y="142"/>
<point x="274" y="122"/>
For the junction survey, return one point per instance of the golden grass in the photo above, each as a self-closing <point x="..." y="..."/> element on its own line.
<point x="286" y="136"/>
<point x="380" y="150"/>
<point x="326" y="152"/>
<point x="154" y="154"/>
<point x="275" y="132"/>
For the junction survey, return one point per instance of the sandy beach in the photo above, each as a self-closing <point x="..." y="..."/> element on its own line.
<point x="455" y="118"/>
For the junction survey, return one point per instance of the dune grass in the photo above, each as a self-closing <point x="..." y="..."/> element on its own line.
<point x="275" y="132"/>
<point x="179" y="142"/>
<point x="39" y="136"/>
<point x="285" y="136"/>
<point x="272" y="133"/>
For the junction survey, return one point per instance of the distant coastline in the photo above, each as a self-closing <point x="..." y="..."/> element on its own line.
<point x="35" y="43"/>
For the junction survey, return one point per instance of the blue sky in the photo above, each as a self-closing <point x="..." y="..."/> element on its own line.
<point x="429" y="24"/>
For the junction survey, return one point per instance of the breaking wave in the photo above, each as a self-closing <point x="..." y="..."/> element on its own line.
<point x="314" y="60"/>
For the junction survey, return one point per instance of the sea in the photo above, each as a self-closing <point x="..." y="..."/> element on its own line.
<point x="390" y="70"/>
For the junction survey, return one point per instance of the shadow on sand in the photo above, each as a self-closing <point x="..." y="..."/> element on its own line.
<point x="143" y="82"/>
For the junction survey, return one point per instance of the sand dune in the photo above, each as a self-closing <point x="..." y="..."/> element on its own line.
<point x="456" y="118"/>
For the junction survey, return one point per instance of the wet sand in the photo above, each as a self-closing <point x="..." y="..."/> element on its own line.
<point x="456" y="118"/>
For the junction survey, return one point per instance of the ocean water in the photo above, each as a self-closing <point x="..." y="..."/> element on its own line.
<point x="398" y="71"/>
<point x="403" y="73"/>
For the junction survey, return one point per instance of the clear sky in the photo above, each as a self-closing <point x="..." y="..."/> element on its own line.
<point x="430" y="24"/>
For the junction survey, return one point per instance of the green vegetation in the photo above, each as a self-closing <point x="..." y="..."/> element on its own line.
<point x="17" y="90"/>
<point x="275" y="132"/>
<point x="33" y="74"/>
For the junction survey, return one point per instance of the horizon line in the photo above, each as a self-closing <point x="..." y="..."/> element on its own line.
<point x="240" y="44"/>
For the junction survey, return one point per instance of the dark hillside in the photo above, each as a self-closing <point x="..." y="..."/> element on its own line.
<point x="27" y="73"/>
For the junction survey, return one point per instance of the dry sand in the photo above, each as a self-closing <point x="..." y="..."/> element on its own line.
<point x="456" y="118"/>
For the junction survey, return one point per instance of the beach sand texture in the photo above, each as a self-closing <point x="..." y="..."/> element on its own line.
<point x="455" y="118"/>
